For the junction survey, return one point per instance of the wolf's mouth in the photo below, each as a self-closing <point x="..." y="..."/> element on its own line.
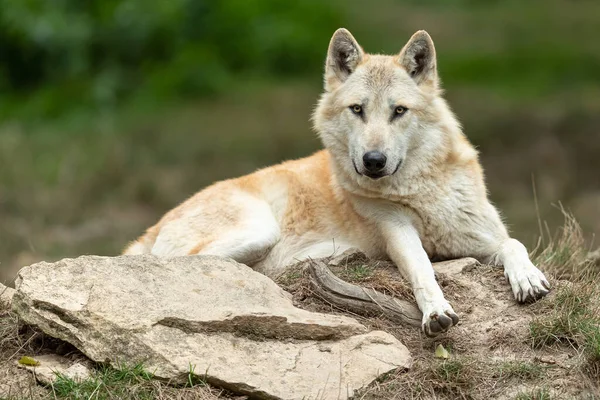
<point x="376" y="176"/>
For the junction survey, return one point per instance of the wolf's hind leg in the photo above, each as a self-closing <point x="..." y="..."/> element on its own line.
<point x="227" y="223"/>
<point x="247" y="245"/>
<point x="248" y="241"/>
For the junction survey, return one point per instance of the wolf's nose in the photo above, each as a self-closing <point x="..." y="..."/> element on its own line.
<point x="374" y="161"/>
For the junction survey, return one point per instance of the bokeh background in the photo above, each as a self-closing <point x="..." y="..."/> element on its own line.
<point x="114" y="111"/>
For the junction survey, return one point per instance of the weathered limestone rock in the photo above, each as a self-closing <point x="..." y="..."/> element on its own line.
<point x="232" y="326"/>
<point x="455" y="267"/>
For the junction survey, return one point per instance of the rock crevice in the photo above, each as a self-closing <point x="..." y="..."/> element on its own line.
<point x="264" y="327"/>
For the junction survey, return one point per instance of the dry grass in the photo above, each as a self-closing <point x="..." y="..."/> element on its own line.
<point x="379" y="275"/>
<point x="574" y="317"/>
<point x="565" y="254"/>
<point x="16" y="340"/>
<point x="573" y="320"/>
<point x="459" y="377"/>
<point x="535" y="394"/>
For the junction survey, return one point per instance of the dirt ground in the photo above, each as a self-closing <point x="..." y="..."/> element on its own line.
<point x="491" y="352"/>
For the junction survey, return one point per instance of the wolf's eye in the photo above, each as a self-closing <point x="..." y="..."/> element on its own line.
<point x="356" y="109"/>
<point x="400" y="110"/>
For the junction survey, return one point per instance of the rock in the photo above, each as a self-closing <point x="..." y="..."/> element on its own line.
<point x="233" y="327"/>
<point x="17" y="383"/>
<point x="455" y="267"/>
<point x="6" y="294"/>
<point x="52" y="365"/>
<point x="348" y="257"/>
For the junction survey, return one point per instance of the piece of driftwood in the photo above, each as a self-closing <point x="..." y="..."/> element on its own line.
<point x="358" y="299"/>
<point x="366" y="301"/>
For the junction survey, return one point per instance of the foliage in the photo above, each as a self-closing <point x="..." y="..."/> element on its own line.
<point x="66" y="53"/>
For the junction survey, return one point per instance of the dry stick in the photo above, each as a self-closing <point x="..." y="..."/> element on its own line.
<point x="358" y="299"/>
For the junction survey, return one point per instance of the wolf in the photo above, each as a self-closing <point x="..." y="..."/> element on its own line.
<point x="397" y="179"/>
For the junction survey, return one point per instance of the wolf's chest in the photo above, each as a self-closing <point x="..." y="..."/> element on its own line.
<point x="442" y="225"/>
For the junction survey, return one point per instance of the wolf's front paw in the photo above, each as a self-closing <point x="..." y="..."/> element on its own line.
<point x="437" y="318"/>
<point x="528" y="283"/>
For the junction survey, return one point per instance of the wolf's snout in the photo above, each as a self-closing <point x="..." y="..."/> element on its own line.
<point x="374" y="161"/>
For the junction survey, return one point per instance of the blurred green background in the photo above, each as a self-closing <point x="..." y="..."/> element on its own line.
<point x="112" y="112"/>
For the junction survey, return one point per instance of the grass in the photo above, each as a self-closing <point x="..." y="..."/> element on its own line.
<point x="105" y="383"/>
<point x="573" y="318"/>
<point x="451" y="371"/>
<point x="359" y="271"/>
<point x="535" y="394"/>
<point x="455" y="378"/>
<point x="567" y="321"/>
<point x="129" y="382"/>
<point x="292" y="275"/>
<point x="520" y="370"/>
<point x="573" y="321"/>
<point x="564" y="254"/>
<point x="463" y="377"/>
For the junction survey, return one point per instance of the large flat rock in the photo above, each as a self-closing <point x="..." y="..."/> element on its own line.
<point x="232" y="326"/>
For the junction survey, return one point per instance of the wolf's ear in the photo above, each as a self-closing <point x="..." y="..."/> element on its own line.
<point x="343" y="57"/>
<point x="418" y="58"/>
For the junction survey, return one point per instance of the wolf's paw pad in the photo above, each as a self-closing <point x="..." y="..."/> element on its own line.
<point x="437" y="322"/>
<point x="528" y="283"/>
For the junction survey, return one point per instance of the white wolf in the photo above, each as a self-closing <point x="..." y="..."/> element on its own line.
<point x="397" y="179"/>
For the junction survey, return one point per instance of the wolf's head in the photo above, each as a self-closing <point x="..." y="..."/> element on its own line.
<point x="381" y="116"/>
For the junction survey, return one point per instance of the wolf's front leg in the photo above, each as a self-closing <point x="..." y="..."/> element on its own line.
<point x="406" y="251"/>
<point x="484" y="236"/>
<point x="527" y="282"/>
